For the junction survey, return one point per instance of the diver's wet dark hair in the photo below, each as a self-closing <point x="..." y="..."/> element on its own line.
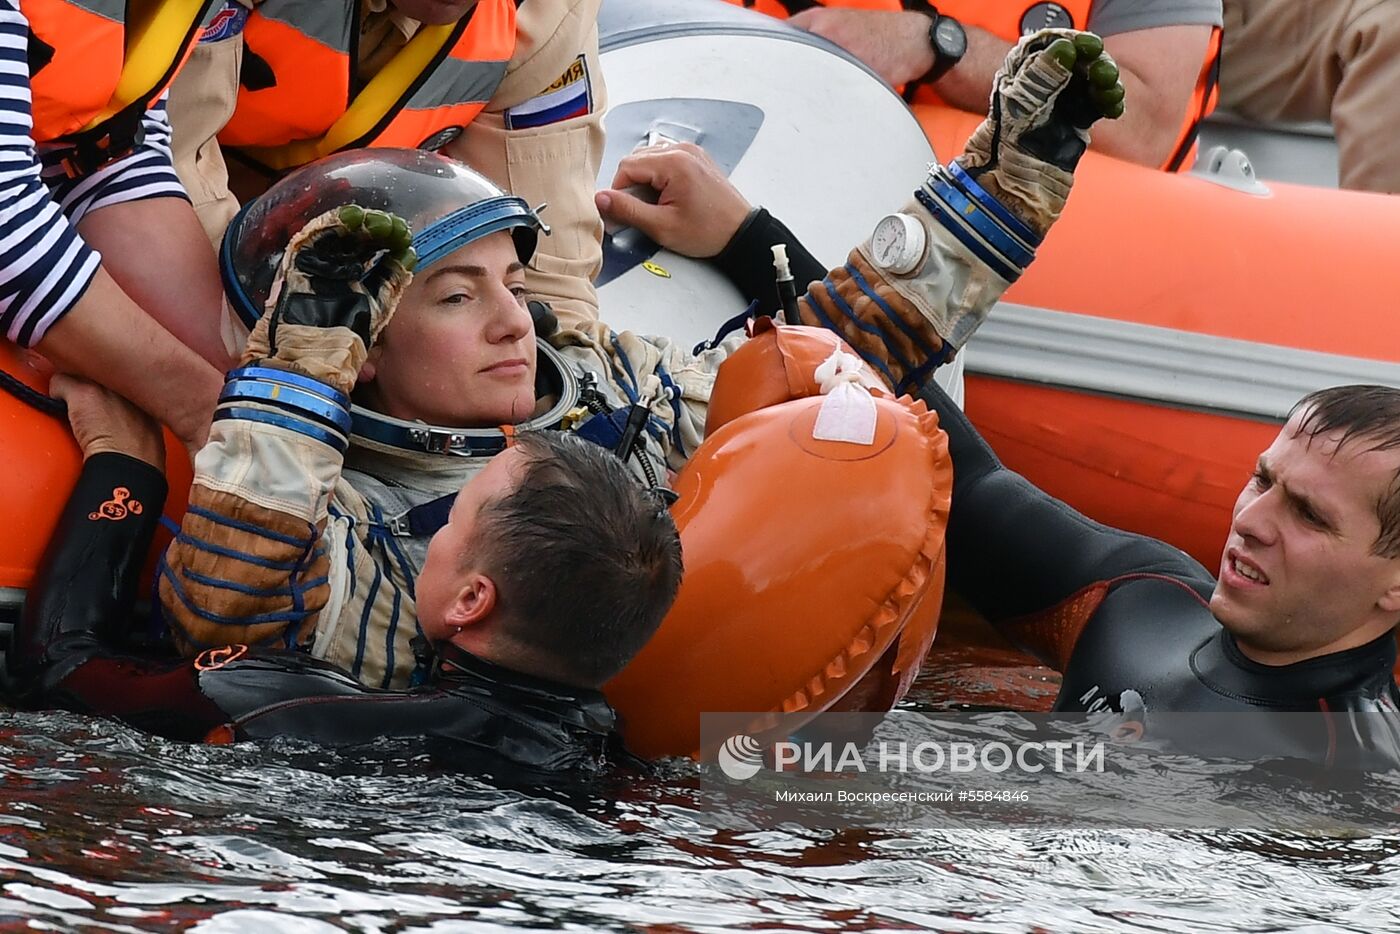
<point x="586" y="560"/>
<point x="1366" y="415"/>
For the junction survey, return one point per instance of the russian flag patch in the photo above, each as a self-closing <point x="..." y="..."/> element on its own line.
<point x="569" y="96"/>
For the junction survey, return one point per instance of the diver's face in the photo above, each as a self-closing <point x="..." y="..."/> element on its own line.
<point x="460" y="350"/>
<point x="434" y="12"/>
<point x="1298" y="577"/>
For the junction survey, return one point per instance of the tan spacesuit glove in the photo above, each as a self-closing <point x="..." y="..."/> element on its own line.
<point x="332" y="355"/>
<point x="336" y="289"/>
<point x="910" y="302"/>
<point x="1054" y="84"/>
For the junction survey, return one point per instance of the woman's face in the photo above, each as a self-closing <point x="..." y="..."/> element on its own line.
<point x="460" y="350"/>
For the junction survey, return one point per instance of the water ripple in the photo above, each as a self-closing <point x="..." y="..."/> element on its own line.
<point x="105" y="829"/>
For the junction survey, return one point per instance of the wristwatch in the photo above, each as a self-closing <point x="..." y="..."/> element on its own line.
<point x="945" y="35"/>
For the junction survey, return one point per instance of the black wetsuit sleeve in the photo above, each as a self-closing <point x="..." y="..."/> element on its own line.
<point x="228" y="694"/>
<point x="1014" y="550"/>
<point x="747" y="260"/>
<point x="81" y="601"/>
<point x="85" y="586"/>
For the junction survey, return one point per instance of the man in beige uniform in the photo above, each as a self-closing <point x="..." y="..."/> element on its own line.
<point x="200" y="103"/>
<point x="512" y="141"/>
<point x="1338" y="61"/>
<point x="552" y="163"/>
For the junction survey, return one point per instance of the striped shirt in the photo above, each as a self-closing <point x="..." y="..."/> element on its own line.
<point x="44" y="265"/>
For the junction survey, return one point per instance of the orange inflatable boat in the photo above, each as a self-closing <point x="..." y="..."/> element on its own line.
<point x="1169" y="323"/>
<point x="41" y="463"/>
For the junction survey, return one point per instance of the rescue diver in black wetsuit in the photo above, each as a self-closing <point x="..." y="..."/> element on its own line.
<point x="1303" y="617"/>
<point x="475" y="714"/>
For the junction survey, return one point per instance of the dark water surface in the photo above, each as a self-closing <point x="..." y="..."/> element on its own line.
<point x="103" y="828"/>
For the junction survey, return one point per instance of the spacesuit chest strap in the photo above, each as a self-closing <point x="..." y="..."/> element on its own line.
<point x="423" y="520"/>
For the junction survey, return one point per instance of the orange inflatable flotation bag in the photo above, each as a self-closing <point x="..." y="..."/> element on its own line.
<point x="811" y="566"/>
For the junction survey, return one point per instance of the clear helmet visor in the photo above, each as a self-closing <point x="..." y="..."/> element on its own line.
<point x="446" y="205"/>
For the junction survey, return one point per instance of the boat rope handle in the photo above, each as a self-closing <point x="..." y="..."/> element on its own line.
<point x="33" y="397"/>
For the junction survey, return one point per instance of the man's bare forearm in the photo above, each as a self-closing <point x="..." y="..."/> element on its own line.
<point x="968" y="84"/>
<point x="170" y="271"/>
<point x="108" y="339"/>
<point x="1158" y="67"/>
<point x="1144" y="134"/>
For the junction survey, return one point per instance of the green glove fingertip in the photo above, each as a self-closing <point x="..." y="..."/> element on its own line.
<point x="1113" y="111"/>
<point x="1103" y="74"/>
<point x="400" y="233"/>
<point x="1063" y="52"/>
<point x="1106" y="97"/>
<point x="409" y="259"/>
<point x="378" y="224"/>
<point x="1088" y="45"/>
<point x="352" y="216"/>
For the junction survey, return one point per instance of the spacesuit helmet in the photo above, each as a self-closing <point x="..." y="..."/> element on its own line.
<point x="446" y="204"/>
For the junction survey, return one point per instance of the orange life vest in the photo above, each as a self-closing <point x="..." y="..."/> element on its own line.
<point x="301" y="98"/>
<point x="1010" y="19"/>
<point x="95" y="67"/>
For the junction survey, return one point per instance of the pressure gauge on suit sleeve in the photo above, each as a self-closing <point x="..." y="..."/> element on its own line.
<point x="897" y="244"/>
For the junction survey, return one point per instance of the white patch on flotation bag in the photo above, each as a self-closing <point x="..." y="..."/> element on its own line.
<point x="848" y="412"/>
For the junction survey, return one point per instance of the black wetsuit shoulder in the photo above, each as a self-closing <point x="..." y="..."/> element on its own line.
<point x="1153" y="652"/>
<point x="1157" y="638"/>
<point x="472" y="713"/>
<point x="67" y="653"/>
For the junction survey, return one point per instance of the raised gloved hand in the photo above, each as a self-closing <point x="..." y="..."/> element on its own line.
<point x="1055" y="84"/>
<point x="912" y="294"/>
<point x="339" y="282"/>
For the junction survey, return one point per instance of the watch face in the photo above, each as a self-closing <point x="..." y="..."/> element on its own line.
<point x="950" y="38"/>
